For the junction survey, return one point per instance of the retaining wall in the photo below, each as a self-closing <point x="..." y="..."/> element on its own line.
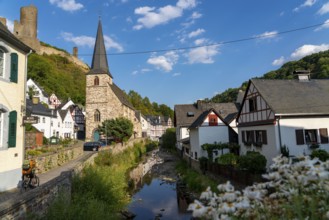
<point x="36" y="201"/>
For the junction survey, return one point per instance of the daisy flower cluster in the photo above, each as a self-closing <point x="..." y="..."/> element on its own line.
<point x="298" y="190"/>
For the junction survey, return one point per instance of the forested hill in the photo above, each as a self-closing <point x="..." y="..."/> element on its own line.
<point x="317" y="63"/>
<point x="56" y="74"/>
<point x="148" y="108"/>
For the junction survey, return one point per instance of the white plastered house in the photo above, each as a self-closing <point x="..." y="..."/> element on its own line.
<point x="291" y="113"/>
<point x="13" y="73"/>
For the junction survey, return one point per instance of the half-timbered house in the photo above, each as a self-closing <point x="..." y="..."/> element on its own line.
<point x="284" y="113"/>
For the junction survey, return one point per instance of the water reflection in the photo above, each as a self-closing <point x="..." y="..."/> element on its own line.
<point x="157" y="199"/>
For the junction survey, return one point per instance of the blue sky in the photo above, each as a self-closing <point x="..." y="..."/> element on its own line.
<point x="171" y="75"/>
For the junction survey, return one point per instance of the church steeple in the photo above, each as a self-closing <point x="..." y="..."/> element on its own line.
<point x="99" y="63"/>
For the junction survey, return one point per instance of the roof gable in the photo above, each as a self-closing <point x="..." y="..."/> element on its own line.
<point x="200" y="121"/>
<point x="291" y="97"/>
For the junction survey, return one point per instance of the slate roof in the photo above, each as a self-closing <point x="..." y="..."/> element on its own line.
<point x="38" y="109"/>
<point x="227" y="111"/>
<point x="10" y="38"/>
<point x="157" y="120"/>
<point x="121" y="95"/>
<point x="291" y="97"/>
<point x="99" y="62"/>
<point x="63" y="113"/>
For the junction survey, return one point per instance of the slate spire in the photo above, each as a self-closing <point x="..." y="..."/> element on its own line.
<point x="99" y="63"/>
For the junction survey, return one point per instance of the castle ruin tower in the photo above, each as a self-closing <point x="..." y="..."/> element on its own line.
<point x="26" y="28"/>
<point x="75" y="52"/>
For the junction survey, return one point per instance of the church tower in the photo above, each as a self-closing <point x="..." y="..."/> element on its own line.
<point x="104" y="100"/>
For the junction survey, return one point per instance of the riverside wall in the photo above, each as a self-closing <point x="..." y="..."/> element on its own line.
<point x="35" y="202"/>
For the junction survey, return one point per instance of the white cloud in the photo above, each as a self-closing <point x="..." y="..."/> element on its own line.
<point x="164" y="62"/>
<point x="135" y="72"/>
<point x="324" y="26"/>
<point x="185" y="4"/>
<point x="176" y="74"/>
<point x="267" y="35"/>
<point x="307" y="3"/>
<point x="324" y="9"/>
<point x="110" y="43"/>
<point x="308" y="49"/>
<point x="90" y="41"/>
<point x="196" y="33"/>
<point x="79" y="40"/>
<point x="200" y="41"/>
<point x="196" y="15"/>
<point x="203" y="54"/>
<point x="129" y="20"/>
<point x="67" y="5"/>
<point x="279" y="61"/>
<point x="152" y="16"/>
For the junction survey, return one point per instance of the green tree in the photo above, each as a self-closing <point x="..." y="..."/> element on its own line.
<point x="120" y="128"/>
<point x="169" y="138"/>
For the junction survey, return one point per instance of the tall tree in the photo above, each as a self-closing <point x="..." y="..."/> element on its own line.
<point x="120" y="129"/>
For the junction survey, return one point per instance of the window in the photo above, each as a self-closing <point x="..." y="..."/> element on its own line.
<point x="196" y="155"/>
<point x="96" y="81"/>
<point x="250" y="137"/>
<point x="311" y="136"/>
<point x="14" y="68"/>
<point x="213" y="120"/>
<point x="323" y="135"/>
<point x="1" y="129"/>
<point x="97" y="116"/>
<point x="12" y="129"/>
<point x="253" y="104"/>
<point x="43" y="120"/>
<point x="261" y="137"/>
<point x="2" y="63"/>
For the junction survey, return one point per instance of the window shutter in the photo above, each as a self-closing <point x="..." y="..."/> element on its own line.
<point x="14" y="68"/>
<point x="243" y="136"/>
<point x="264" y="136"/>
<point x="323" y="135"/>
<point x="12" y="129"/>
<point x="300" y="137"/>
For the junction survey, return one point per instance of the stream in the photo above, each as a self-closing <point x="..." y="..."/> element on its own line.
<point x="155" y="196"/>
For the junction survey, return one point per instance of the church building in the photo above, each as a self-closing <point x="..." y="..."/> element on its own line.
<point x="104" y="99"/>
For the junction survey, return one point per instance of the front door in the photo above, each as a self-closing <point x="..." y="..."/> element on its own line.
<point x="96" y="136"/>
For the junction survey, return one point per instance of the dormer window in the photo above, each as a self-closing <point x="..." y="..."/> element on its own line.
<point x="96" y="81"/>
<point x="190" y="114"/>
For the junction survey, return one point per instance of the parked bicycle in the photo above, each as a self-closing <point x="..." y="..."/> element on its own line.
<point x="29" y="178"/>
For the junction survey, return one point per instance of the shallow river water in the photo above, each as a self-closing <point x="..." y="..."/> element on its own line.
<point x="157" y="199"/>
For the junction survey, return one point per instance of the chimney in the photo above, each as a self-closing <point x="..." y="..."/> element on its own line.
<point x="75" y="52"/>
<point x="303" y="75"/>
<point x="3" y="21"/>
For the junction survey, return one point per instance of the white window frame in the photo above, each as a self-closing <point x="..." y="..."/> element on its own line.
<point x="6" y="61"/>
<point x="4" y="117"/>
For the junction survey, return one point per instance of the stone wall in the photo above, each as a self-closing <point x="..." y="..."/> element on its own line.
<point x="35" y="202"/>
<point x="52" y="160"/>
<point x="38" y="200"/>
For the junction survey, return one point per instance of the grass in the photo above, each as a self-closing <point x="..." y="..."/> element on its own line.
<point x="102" y="189"/>
<point x="195" y="181"/>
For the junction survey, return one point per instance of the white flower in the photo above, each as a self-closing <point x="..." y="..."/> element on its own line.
<point x="198" y="209"/>
<point x="229" y="197"/>
<point x="207" y="194"/>
<point x="227" y="207"/>
<point x="252" y="194"/>
<point x="227" y="187"/>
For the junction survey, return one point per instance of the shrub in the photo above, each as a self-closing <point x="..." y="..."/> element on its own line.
<point x="228" y="159"/>
<point x="33" y="152"/>
<point x="284" y="151"/>
<point x="151" y="145"/>
<point x="321" y="154"/>
<point x="203" y="163"/>
<point x="253" y="161"/>
<point x="45" y="140"/>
